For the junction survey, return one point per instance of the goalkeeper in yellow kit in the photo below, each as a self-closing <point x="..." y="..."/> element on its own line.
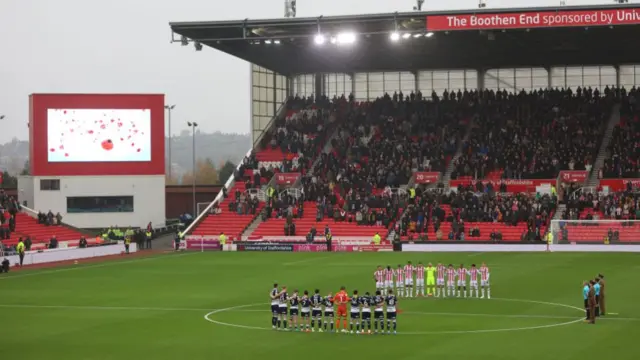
<point x="431" y="279"/>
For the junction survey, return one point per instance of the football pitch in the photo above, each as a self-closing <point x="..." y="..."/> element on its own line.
<point x="215" y="305"/>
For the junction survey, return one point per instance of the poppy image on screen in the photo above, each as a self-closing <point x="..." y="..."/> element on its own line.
<point x="98" y="135"/>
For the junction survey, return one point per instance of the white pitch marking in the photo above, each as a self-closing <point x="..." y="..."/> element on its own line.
<point x="111" y="263"/>
<point x="207" y="318"/>
<point x="125" y="308"/>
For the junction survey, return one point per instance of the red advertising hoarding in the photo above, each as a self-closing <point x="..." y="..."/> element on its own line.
<point x="96" y="134"/>
<point x="287" y="178"/>
<point x="513" y="185"/>
<point x="533" y="19"/>
<point x="619" y="184"/>
<point x="569" y="176"/>
<point x="426" y="177"/>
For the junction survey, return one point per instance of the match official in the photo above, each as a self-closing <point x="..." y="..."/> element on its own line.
<point x="601" y="297"/>
<point x="20" y="248"/>
<point x="585" y="296"/>
<point x="592" y="302"/>
<point x="596" y="288"/>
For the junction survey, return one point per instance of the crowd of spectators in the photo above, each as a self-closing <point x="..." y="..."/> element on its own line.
<point x="382" y="142"/>
<point x="535" y="134"/>
<point x="620" y="205"/>
<point x="469" y="206"/>
<point x="9" y="208"/>
<point x="624" y="148"/>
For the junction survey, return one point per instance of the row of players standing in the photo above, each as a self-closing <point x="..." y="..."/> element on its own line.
<point x="456" y="280"/>
<point x="320" y="309"/>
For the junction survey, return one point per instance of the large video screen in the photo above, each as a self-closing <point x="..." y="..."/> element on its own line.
<point x="98" y="135"/>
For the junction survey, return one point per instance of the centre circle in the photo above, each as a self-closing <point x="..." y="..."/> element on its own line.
<point x="208" y="318"/>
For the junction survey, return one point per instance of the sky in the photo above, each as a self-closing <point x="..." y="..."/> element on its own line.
<point x="123" y="46"/>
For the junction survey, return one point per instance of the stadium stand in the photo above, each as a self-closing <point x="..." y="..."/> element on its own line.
<point x="378" y="145"/>
<point x="621" y="205"/>
<point x="290" y="146"/>
<point x="468" y="215"/>
<point x="536" y="134"/>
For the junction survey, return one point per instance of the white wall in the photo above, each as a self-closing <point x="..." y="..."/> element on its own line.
<point x="25" y="190"/>
<point x="148" y="199"/>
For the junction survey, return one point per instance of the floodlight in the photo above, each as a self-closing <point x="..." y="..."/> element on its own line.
<point x="268" y="42"/>
<point x="395" y="36"/>
<point x="417" y="35"/>
<point x="333" y="40"/>
<point x="320" y="39"/>
<point x="346" y="38"/>
<point x="276" y="42"/>
<point x="429" y="34"/>
<point x="406" y="35"/>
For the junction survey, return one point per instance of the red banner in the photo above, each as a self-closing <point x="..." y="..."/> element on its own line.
<point x="569" y="176"/>
<point x="286" y="178"/>
<point x="529" y="20"/>
<point x="340" y="248"/>
<point x="619" y="184"/>
<point x="426" y="177"/>
<point x="513" y="185"/>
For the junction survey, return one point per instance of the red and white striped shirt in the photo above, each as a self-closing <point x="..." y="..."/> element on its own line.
<point x="451" y="274"/>
<point x="462" y="274"/>
<point x="441" y="270"/>
<point x="390" y="273"/>
<point x="420" y="272"/>
<point x="379" y="275"/>
<point x="474" y="274"/>
<point x="399" y="275"/>
<point x="484" y="273"/>
<point x="408" y="271"/>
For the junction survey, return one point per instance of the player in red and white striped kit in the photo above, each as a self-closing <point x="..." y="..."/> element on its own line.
<point x="462" y="281"/>
<point x="389" y="274"/>
<point x="408" y="278"/>
<point x="484" y="280"/>
<point x="451" y="280"/>
<point x="440" y="270"/>
<point x="473" y="280"/>
<point x="399" y="281"/>
<point x="378" y="276"/>
<point x="420" y="280"/>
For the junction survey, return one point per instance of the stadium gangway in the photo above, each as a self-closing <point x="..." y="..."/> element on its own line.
<point x="231" y="181"/>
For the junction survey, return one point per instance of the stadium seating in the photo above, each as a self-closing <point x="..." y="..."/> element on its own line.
<point x="226" y="221"/>
<point x="39" y="233"/>
<point x="275" y="227"/>
<point x="513" y="216"/>
<point x="535" y="135"/>
<point x="296" y="138"/>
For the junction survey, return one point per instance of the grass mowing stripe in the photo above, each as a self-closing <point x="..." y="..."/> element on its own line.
<point x="101" y="265"/>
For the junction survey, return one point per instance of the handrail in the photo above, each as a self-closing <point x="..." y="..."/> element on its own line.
<point x="231" y="181"/>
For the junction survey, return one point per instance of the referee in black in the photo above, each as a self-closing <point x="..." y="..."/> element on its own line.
<point x="20" y="248"/>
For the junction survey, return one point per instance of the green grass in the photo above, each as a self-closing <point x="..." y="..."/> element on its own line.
<point x="154" y="309"/>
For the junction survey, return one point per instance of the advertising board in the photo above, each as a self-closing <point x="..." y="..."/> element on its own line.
<point x="533" y="19"/>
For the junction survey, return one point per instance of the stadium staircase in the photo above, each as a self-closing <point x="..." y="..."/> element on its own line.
<point x="230" y="185"/>
<point x="451" y="165"/>
<point x="603" y="152"/>
<point x="445" y="177"/>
